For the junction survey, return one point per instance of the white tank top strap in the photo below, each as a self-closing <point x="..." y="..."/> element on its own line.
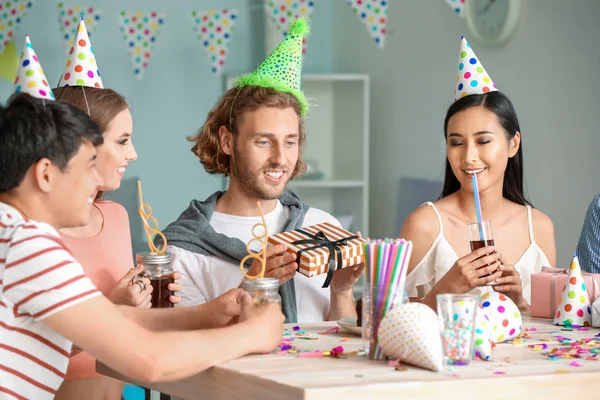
<point x="530" y="222"/>
<point x="439" y="217"/>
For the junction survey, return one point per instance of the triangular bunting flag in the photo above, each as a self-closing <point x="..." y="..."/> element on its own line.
<point x="69" y="17"/>
<point x="282" y="12"/>
<point x="30" y="75"/>
<point x="574" y="304"/>
<point x="372" y="13"/>
<point x="140" y="32"/>
<point x="9" y="60"/>
<point x="214" y="30"/>
<point x="12" y="13"/>
<point x="457" y="6"/>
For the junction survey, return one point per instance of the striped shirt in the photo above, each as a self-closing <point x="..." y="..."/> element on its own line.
<point x="38" y="277"/>
<point x="588" y="247"/>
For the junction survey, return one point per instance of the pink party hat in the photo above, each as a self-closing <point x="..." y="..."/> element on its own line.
<point x="30" y="75"/>
<point x="81" y="68"/>
<point x="471" y="77"/>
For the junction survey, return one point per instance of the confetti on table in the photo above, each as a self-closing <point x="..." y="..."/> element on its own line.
<point x="401" y="368"/>
<point x="296" y="328"/>
<point x="310" y="354"/>
<point x="393" y="363"/>
<point x="499" y="373"/>
<point x="562" y="371"/>
<point x="335" y="329"/>
<point x="575" y="364"/>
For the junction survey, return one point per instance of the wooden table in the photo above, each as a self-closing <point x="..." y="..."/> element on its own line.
<point x="286" y="376"/>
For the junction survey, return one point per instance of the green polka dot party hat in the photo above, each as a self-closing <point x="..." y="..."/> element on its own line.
<point x="30" y="75"/>
<point x="472" y="78"/>
<point x="81" y="68"/>
<point x="282" y="70"/>
<point x="574" y="304"/>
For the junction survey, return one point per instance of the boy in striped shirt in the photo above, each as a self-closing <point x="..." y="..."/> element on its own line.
<point x="48" y="181"/>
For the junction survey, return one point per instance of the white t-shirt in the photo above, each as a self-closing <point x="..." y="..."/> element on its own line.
<point x="38" y="277"/>
<point x="204" y="278"/>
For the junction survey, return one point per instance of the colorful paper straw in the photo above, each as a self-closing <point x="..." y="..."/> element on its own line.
<point x="386" y="263"/>
<point x="478" y="207"/>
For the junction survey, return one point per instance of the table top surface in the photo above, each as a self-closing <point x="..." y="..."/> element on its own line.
<point x="515" y="369"/>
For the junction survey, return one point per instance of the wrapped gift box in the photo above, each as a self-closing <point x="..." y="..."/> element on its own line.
<point x="548" y="285"/>
<point x="320" y="246"/>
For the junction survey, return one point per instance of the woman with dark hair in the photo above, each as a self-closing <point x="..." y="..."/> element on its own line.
<point x="483" y="138"/>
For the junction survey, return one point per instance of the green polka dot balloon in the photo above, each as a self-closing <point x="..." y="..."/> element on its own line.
<point x="282" y="70"/>
<point x="30" y="75"/>
<point x="574" y="306"/>
<point x="471" y="77"/>
<point x="81" y="68"/>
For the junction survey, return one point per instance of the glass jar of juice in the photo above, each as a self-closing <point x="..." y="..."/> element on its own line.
<point x="262" y="290"/>
<point x="157" y="268"/>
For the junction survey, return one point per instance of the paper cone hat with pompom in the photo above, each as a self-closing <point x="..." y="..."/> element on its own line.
<point x="30" y="75"/>
<point x="282" y="70"/>
<point x="81" y="68"/>
<point x="574" y="304"/>
<point x="471" y="78"/>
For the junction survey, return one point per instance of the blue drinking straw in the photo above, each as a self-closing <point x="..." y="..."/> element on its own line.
<point x="478" y="206"/>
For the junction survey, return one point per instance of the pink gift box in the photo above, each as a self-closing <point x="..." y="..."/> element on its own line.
<point x="548" y="285"/>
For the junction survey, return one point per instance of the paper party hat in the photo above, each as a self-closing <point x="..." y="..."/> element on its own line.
<point x="574" y="304"/>
<point x="283" y="68"/>
<point x="471" y="77"/>
<point x="81" y="68"/>
<point x="30" y="75"/>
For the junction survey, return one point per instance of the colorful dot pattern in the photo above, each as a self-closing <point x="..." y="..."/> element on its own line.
<point x="12" y="13"/>
<point x="574" y="305"/>
<point x="81" y="68"/>
<point x="283" y="12"/>
<point x="214" y="30"/>
<point x="374" y="15"/>
<point x="30" y="75"/>
<point x="410" y="333"/>
<point x="498" y="320"/>
<point x="140" y="31"/>
<point x="483" y="335"/>
<point x="68" y="21"/>
<point x="472" y="78"/>
<point x="505" y="316"/>
<point x="457" y="6"/>
<point x="284" y="64"/>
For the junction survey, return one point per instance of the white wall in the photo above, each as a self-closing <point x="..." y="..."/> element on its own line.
<point x="549" y="69"/>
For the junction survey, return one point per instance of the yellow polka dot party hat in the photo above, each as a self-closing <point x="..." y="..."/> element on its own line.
<point x="574" y="304"/>
<point x="81" y="68"/>
<point x="30" y="75"/>
<point x="471" y="78"/>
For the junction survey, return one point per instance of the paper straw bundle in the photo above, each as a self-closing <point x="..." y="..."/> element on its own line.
<point x="386" y="264"/>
